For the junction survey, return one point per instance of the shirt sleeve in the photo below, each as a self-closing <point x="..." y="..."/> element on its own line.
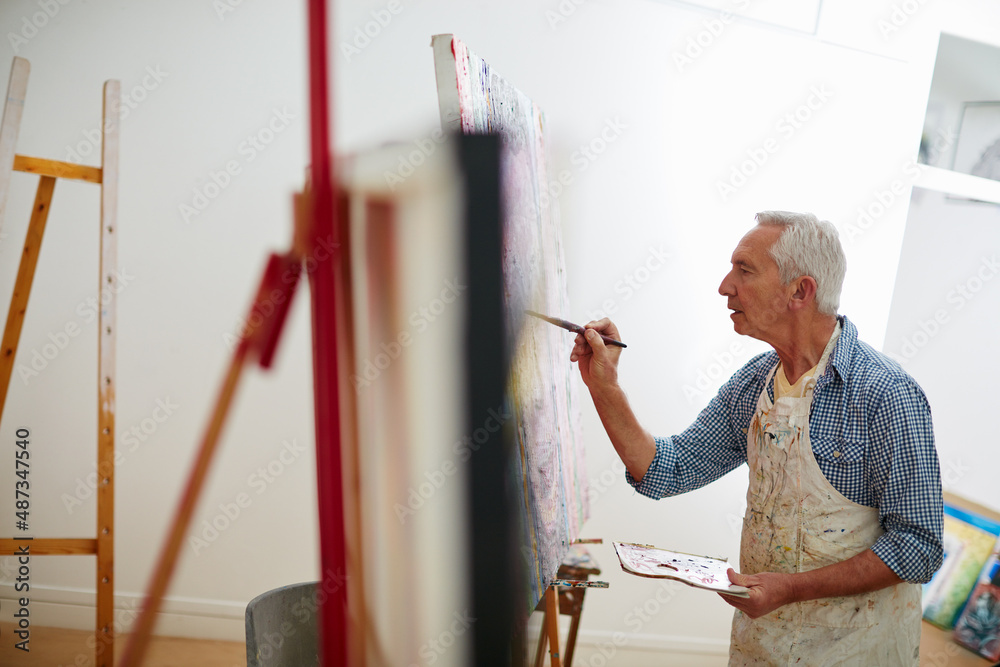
<point x="907" y="476"/>
<point x="708" y="449"/>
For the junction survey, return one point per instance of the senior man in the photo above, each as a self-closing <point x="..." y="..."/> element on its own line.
<point x="844" y="507"/>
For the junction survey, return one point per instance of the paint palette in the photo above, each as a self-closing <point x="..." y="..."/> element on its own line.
<point x="645" y="560"/>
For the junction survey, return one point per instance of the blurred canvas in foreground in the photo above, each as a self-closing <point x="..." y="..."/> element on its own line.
<point x="404" y="396"/>
<point x="543" y="389"/>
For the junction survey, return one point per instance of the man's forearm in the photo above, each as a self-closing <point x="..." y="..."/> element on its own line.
<point x="635" y="446"/>
<point x="862" y="573"/>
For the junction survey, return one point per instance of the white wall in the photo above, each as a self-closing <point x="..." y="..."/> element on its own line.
<point x="677" y="130"/>
<point x="942" y="328"/>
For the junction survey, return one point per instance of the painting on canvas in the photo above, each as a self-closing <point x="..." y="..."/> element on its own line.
<point x="973" y="536"/>
<point x="543" y="390"/>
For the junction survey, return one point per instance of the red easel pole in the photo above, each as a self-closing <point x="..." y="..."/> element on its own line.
<point x="333" y="611"/>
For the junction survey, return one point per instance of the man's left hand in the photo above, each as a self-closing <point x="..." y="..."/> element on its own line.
<point x="768" y="591"/>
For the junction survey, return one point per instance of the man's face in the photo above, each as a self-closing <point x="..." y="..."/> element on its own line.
<point x="753" y="288"/>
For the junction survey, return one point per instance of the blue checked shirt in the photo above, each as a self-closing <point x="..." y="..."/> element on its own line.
<point x="870" y="429"/>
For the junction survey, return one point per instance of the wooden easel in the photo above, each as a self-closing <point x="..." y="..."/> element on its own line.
<point x="318" y="216"/>
<point x="107" y="177"/>
<point x="565" y="595"/>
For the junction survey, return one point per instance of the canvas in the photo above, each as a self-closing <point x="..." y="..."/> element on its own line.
<point x="978" y="627"/>
<point x="978" y="149"/>
<point x="543" y="390"/>
<point x="969" y="540"/>
<point x="402" y="398"/>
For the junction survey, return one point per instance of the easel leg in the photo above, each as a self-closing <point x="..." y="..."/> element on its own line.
<point x="574" y="627"/>
<point x="107" y="331"/>
<point x="22" y="285"/>
<point x="326" y="392"/>
<point x="138" y="642"/>
<point x="552" y="624"/>
<point x="542" y="636"/>
<point x="10" y="124"/>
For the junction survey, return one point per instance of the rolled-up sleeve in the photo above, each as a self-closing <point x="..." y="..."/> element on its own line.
<point x="712" y="446"/>
<point x="907" y="477"/>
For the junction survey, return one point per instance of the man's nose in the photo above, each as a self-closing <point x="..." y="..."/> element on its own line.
<point x="726" y="287"/>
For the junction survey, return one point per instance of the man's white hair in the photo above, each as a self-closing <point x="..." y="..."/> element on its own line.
<point x="811" y="247"/>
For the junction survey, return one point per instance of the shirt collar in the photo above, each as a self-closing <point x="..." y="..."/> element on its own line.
<point x="841" y="357"/>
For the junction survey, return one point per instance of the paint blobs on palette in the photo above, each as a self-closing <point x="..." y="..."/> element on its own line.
<point x="699" y="571"/>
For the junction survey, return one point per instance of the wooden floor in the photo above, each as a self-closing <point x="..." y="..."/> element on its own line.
<point x="57" y="646"/>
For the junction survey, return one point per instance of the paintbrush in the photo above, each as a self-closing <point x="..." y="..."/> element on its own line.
<point x="575" y="328"/>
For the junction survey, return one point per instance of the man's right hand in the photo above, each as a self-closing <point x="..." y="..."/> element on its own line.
<point x="598" y="362"/>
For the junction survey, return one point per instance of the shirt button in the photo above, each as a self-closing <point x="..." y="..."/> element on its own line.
<point x="836" y="454"/>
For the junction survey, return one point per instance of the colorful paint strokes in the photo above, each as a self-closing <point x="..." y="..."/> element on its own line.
<point x="543" y="390"/>
<point x="968" y="543"/>
<point x="979" y="625"/>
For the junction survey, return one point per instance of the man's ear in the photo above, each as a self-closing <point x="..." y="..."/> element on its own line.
<point x="804" y="292"/>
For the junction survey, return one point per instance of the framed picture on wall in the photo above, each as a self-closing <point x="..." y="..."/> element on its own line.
<point x="978" y="149"/>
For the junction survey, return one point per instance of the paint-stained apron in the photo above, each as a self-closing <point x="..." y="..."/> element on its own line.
<point x="797" y="521"/>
